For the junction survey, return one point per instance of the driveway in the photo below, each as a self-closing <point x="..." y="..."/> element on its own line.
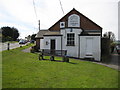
<point x="112" y="62"/>
<point x="115" y="59"/>
<point x="27" y="50"/>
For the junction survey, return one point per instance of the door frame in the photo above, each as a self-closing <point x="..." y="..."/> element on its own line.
<point x="89" y="46"/>
<point x="52" y="46"/>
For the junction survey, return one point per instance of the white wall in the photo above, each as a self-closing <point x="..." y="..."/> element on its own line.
<point x="57" y="40"/>
<point x="41" y="43"/>
<point x="74" y="51"/>
<point x="71" y="50"/>
<point x="96" y="46"/>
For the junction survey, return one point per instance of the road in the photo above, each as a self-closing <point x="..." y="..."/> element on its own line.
<point x="115" y="59"/>
<point x="4" y="46"/>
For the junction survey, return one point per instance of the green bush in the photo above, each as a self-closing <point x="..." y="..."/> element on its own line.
<point x="32" y="50"/>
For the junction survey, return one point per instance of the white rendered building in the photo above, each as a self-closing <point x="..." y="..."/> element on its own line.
<point x="76" y="33"/>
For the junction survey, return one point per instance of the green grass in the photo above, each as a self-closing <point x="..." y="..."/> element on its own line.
<point x="24" y="70"/>
<point x="12" y="42"/>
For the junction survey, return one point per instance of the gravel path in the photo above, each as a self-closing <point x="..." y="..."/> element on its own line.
<point x="109" y="65"/>
<point x="27" y="50"/>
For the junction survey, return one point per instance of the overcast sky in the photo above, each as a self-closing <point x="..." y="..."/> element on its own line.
<point x="21" y="15"/>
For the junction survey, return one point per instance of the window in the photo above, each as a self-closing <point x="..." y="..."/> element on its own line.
<point x="70" y="39"/>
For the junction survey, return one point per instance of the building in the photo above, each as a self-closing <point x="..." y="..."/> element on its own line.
<point x="74" y="32"/>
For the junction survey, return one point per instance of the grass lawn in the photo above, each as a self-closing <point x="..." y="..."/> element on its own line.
<point x="24" y="70"/>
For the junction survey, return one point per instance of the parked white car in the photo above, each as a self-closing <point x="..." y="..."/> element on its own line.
<point x="22" y="41"/>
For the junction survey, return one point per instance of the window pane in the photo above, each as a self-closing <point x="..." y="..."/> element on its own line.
<point x="70" y="38"/>
<point x="72" y="35"/>
<point x="72" y="42"/>
<point x="68" y="43"/>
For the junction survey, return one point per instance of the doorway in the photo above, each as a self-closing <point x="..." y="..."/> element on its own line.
<point x="52" y="46"/>
<point x="89" y="47"/>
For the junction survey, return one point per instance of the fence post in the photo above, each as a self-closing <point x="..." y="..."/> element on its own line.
<point x="41" y="56"/>
<point x="105" y="49"/>
<point x="8" y="47"/>
<point x="52" y="58"/>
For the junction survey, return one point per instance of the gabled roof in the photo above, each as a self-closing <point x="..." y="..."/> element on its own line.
<point x="85" y="22"/>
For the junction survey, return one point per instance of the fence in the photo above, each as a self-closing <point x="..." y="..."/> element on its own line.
<point x="105" y="49"/>
<point x="50" y="52"/>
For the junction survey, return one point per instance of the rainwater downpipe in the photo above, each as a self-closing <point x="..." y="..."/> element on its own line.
<point x="61" y="45"/>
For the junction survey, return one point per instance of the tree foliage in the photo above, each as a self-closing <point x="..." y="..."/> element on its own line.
<point x="110" y="35"/>
<point x="10" y="32"/>
<point x="33" y="36"/>
<point x="28" y="37"/>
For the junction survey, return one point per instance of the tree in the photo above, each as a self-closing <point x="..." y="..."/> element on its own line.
<point x="6" y="31"/>
<point x="111" y="37"/>
<point x="33" y="36"/>
<point x="15" y="34"/>
<point x="12" y="33"/>
<point x="28" y="37"/>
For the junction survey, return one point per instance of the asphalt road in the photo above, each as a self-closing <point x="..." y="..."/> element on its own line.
<point x="4" y="46"/>
<point x="115" y="59"/>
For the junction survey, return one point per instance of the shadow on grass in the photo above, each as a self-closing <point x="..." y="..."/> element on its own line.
<point x="71" y="63"/>
<point x="59" y="61"/>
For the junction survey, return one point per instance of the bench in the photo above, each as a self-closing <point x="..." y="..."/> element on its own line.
<point x="52" y="53"/>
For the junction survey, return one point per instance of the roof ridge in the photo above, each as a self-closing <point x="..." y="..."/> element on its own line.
<point x="78" y="13"/>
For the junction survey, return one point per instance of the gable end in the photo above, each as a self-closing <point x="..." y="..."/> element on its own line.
<point x="85" y="22"/>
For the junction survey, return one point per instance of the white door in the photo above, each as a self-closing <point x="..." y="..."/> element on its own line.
<point x="89" y="47"/>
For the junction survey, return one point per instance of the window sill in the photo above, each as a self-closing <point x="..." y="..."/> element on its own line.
<point x="70" y="45"/>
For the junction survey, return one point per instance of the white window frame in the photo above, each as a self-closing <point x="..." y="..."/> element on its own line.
<point x="70" y="39"/>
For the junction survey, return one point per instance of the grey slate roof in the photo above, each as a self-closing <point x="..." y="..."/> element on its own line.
<point x="52" y="33"/>
<point x="41" y="33"/>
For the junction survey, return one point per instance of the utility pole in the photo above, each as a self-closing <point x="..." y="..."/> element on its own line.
<point x="39" y="24"/>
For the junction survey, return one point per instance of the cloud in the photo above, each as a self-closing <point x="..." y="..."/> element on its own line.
<point x="19" y="9"/>
<point x="17" y="13"/>
<point x="20" y="13"/>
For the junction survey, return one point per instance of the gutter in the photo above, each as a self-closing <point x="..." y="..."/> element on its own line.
<point x="78" y="46"/>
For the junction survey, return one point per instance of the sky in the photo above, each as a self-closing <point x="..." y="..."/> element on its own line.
<point x="21" y="13"/>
